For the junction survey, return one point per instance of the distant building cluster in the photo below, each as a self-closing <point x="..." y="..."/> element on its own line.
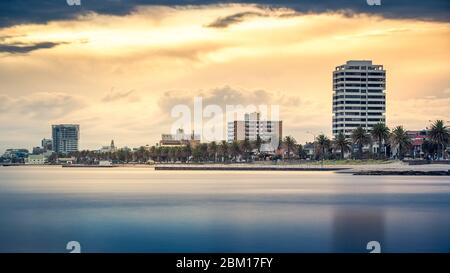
<point x="65" y="139"/>
<point x="359" y="101"/>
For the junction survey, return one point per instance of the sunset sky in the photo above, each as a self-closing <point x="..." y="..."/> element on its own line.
<point x="118" y="72"/>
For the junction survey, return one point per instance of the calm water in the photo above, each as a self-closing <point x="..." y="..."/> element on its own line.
<point x="142" y="210"/>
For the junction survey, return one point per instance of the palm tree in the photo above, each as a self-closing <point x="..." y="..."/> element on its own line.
<point x="360" y="138"/>
<point x="165" y="153"/>
<point x="152" y="153"/>
<point x="203" y="151"/>
<point x="300" y="151"/>
<point x="197" y="153"/>
<point x="323" y="143"/>
<point x="178" y="153"/>
<point x="258" y="143"/>
<point x="380" y="132"/>
<point x="212" y="150"/>
<point x="342" y="143"/>
<point x="400" y="139"/>
<point x="187" y="151"/>
<point x="235" y="150"/>
<point x="171" y="154"/>
<point x="246" y="147"/>
<point x="289" y="142"/>
<point x="439" y="134"/>
<point x="223" y="149"/>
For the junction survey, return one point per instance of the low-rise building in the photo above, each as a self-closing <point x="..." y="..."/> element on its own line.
<point x="66" y="160"/>
<point x="417" y="139"/>
<point x="35" y="159"/>
<point x="108" y="149"/>
<point x="179" y="139"/>
<point x="105" y="163"/>
<point x="15" y="155"/>
<point x="309" y="149"/>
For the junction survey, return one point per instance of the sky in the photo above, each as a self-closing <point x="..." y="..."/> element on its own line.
<point x="118" y="68"/>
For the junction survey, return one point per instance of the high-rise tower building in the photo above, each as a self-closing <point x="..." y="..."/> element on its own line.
<point x="65" y="137"/>
<point x="359" y="97"/>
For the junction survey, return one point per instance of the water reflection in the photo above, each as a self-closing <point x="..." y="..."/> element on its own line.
<point x="141" y="210"/>
<point x="355" y="226"/>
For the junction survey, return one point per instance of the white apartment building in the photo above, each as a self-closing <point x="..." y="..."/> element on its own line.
<point x="359" y="97"/>
<point x="270" y="131"/>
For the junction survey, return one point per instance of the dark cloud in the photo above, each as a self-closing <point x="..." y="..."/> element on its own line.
<point x="15" y="12"/>
<point x="20" y="48"/>
<point x="117" y="95"/>
<point x="224" y="22"/>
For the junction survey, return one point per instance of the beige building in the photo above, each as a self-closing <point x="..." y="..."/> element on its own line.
<point x="270" y="131"/>
<point x="179" y="139"/>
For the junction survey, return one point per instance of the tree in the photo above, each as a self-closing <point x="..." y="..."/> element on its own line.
<point x="342" y="143"/>
<point x="223" y="150"/>
<point x="439" y="134"/>
<point x="380" y="132"/>
<point x="360" y="138"/>
<point x="300" y="151"/>
<point x="139" y="154"/>
<point x="289" y="143"/>
<point x="178" y="153"/>
<point x="171" y="154"/>
<point x="187" y="151"/>
<point x="246" y="148"/>
<point x="203" y="151"/>
<point x="323" y="143"/>
<point x="258" y="143"/>
<point x="197" y="153"/>
<point x="235" y="150"/>
<point x="400" y="139"/>
<point x="165" y="153"/>
<point x="429" y="147"/>
<point x="212" y="150"/>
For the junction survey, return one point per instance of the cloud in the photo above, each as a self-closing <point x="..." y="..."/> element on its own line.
<point x="41" y="105"/>
<point x="221" y="96"/>
<point x="20" y="48"/>
<point x="117" y="95"/>
<point x="229" y="96"/>
<point x="16" y="12"/>
<point x="223" y="22"/>
<point x="416" y="113"/>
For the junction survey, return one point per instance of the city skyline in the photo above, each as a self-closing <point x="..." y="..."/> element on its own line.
<point x="119" y="75"/>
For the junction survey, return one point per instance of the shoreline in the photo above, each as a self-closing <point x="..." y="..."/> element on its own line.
<point x="392" y="168"/>
<point x="244" y="168"/>
<point x="369" y="169"/>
